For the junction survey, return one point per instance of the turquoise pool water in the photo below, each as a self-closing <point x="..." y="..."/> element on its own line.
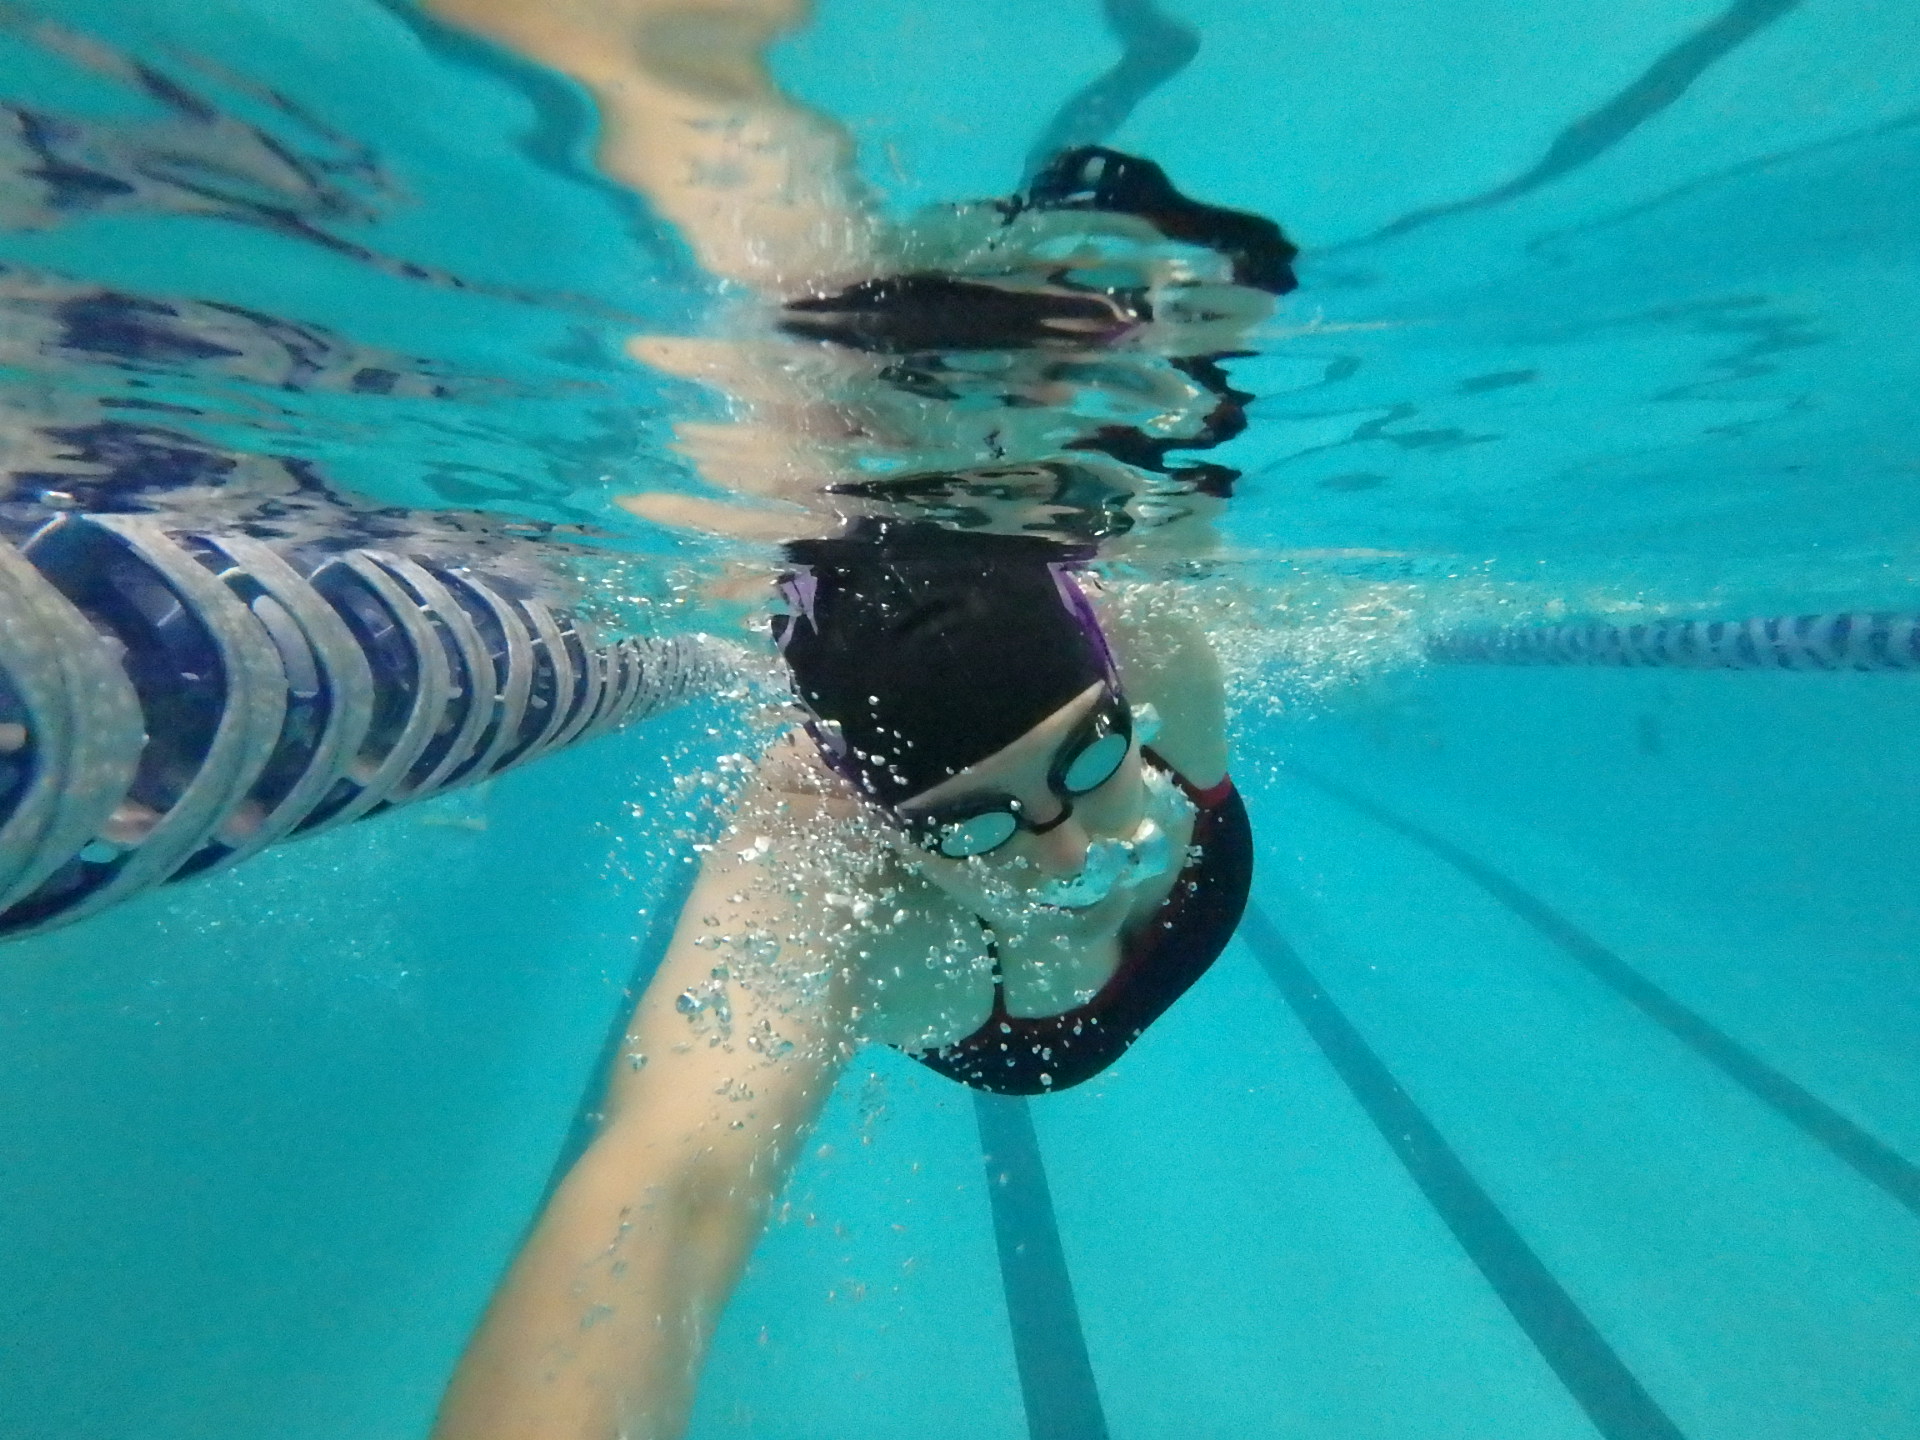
<point x="1563" y="1082"/>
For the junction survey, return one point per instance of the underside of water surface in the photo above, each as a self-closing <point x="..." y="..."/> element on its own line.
<point x="1560" y="533"/>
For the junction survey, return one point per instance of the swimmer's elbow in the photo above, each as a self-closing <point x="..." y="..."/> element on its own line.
<point x="695" y="1183"/>
<point x="711" y="1189"/>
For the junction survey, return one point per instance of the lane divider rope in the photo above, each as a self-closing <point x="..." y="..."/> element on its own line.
<point x="171" y="703"/>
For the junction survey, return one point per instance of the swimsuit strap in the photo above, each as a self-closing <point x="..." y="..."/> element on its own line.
<point x="999" y="982"/>
<point x="1208" y="799"/>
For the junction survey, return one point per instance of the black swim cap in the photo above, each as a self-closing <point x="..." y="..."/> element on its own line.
<point x="919" y="650"/>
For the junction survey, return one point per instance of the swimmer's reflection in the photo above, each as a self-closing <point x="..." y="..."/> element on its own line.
<point x="1081" y="345"/>
<point x="1000" y="836"/>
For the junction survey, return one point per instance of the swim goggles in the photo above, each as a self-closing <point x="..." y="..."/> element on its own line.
<point x="1089" y="757"/>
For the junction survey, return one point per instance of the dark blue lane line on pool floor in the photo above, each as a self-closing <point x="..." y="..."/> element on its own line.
<point x="662" y="921"/>
<point x="1596" y="1377"/>
<point x="1049" y="1347"/>
<point x="1154" y="48"/>
<point x="1872" y="1159"/>
<point x="1593" y="134"/>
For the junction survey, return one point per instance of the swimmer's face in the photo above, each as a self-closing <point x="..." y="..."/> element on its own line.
<point x="1000" y="884"/>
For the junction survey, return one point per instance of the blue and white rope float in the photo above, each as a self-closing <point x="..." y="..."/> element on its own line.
<point x="1868" y="640"/>
<point x="171" y="703"/>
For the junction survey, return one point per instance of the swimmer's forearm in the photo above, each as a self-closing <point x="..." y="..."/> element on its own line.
<point x="1165" y="658"/>
<point x="600" y="1327"/>
<point x="599" y="1330"/>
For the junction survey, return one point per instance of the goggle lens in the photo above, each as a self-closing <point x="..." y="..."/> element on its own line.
<point x="977" y="834"/>
<point x="1103" y="749"/>
<point x="1096" y="764"/>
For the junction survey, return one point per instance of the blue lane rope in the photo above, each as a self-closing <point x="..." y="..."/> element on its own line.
<point x="171" y="703"/>
<point x="1875" y="640"/>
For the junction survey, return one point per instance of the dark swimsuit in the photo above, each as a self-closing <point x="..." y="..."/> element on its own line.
<point x="1038" y="1054"/>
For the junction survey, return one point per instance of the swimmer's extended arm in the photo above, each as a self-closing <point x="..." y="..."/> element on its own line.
<point x="599" y="1329"/>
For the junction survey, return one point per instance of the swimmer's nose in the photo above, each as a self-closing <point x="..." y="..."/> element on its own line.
<point x="1062" y="851"/>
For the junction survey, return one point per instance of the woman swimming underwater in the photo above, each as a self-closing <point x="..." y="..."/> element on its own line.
<point x="1003" y="841"/>
<point x="1000" y="836"/>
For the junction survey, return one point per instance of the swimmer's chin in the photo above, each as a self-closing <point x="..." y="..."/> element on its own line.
<point x="1063" y="905"/>
<point x="1067" y="907"/>
<point x="1091" y="913"/>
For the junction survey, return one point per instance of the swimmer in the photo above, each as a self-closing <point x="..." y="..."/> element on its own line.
<point x="1002" y="840"/>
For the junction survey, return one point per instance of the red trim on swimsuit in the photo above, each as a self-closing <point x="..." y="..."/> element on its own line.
<point x="1037" y="1054"/>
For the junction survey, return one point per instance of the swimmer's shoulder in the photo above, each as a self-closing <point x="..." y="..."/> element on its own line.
<point x="1165" y="660"/>
<point x="792" y="776"/>
<point x="792" y="767"/>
